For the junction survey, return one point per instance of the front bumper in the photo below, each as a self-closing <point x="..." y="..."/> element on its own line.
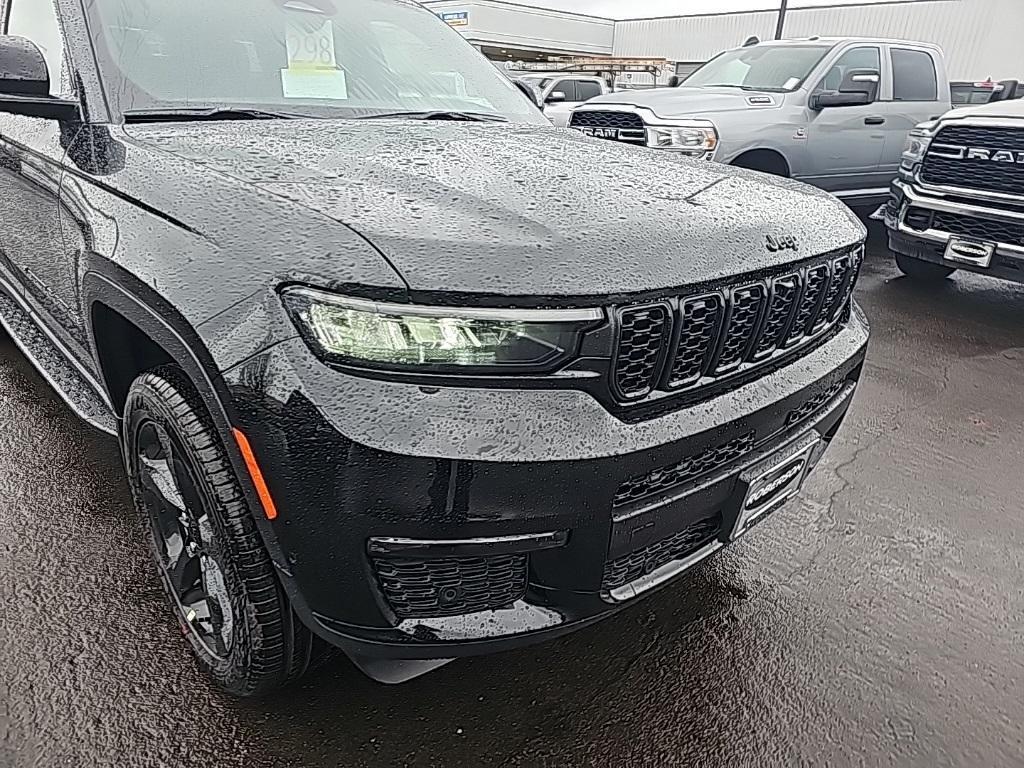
<point x="921" y="226"/>
<point x="380" y="484"/>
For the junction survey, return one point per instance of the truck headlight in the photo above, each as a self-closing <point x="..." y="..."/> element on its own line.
<point x="698" y="138"/>
<point x="918" y="141"/>
<point x="371" y="334"/>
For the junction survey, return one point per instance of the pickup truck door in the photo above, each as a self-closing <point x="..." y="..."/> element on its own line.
<point x="918" y="94"/>
<point x="558" y="112"/>
<point x="32" y="153"/>
<point x="845" y="144"/>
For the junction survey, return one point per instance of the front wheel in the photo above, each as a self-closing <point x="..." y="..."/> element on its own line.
<point x="925" y="271"/>
<point x="212" y="563"/>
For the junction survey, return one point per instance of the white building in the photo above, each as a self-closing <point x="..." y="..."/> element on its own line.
<point x="980" y="37"/>
<point x="510" y="31"/>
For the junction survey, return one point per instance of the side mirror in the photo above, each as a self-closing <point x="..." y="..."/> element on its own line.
<point x="673" y="82"/>
<point x="555" y="97"/>
<point x="859" y="87"/>
<point x="530" y="92"/>
<point x="25" y="82"/>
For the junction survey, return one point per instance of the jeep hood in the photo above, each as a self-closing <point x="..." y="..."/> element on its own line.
<point x="684" y="101"/>
<point x="510" y="210"/>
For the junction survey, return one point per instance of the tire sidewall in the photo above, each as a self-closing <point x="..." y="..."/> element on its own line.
<point x="145" y="404"/>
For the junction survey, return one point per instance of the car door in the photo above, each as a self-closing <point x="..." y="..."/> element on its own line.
<point x="32" y="151"/>
<point x="845" y="144"/>
<point x="916" y="97"/>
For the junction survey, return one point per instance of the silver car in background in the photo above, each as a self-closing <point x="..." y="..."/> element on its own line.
<point x="832" y="112"/>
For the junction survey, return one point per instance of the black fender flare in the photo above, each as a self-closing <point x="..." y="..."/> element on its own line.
<point x="106" y="284"/>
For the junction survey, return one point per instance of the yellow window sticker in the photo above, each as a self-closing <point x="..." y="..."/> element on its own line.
<point x="313" y="71"/>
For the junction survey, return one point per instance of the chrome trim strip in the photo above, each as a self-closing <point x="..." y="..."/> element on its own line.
<point x="529" y="542"/>
<point x="940" y="236"/>
<point x="966" y="209"/>
<point x="663" y="574"/>
<point x="871" y="192"/>
<point x="486" y="313"/>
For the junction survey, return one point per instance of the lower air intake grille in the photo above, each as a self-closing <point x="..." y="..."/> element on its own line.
<point x="815" y="404"/>
<point x="688" y="469"/>
<point x="990" y="230"/>
<point x="418" y="589"/>
<point x="622" y="571"/>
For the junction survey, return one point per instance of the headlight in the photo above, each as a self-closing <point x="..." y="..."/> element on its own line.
<point x="698" y="139"/>
<point x="436" y="339"/>
<point x="918" y="141"/>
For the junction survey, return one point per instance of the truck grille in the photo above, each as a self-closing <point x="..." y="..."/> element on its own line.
<point x="992" y="230"/>
<point x="984" y="175"/>
<point x="423" y="588"/>
<point x="623" y="570"/>
<point x="721" y="334"/>
<point x="620" y="126"/>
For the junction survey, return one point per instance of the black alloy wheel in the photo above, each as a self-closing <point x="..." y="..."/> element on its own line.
<point x="212" y="563"/>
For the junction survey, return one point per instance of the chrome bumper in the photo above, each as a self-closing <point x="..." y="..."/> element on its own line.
<point x="917" y="200"/>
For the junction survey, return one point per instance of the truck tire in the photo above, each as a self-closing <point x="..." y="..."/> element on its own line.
<point x="217" y="574"/>
<point x="925" y="271"/>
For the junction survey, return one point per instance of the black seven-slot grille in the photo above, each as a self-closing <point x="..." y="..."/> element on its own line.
<point x="425" y="588"/>
<point x="628" y="568"/>
<point x="979" y="172"/>
<point x="693" y="342"/>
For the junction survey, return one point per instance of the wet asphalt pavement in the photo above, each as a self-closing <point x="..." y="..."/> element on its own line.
<point x="878" y="621"/>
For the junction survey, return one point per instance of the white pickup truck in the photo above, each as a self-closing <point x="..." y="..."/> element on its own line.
<point x="560" y="94"/>
<point x="832" y="112"/>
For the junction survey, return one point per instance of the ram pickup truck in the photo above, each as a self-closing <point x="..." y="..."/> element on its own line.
<point x="560" y="94"/>
<point x="959" y="200"/>
<point x="378" y="376"/>
<point x="833" y="112"/>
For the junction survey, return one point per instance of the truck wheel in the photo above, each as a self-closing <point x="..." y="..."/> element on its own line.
<point x="212" y="562"/>
<point x="922" y="270"/>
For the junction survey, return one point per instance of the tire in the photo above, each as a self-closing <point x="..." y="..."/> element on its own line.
<point x="235" y="615"/>
<point x="924" y="271"/>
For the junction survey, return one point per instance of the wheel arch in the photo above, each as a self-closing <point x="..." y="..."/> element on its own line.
<point x="123" y="304"/>
<point x="765" y="160"/>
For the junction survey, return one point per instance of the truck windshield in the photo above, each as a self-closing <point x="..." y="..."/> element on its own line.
<point x="317" y="58"/>
<point x="760" y="68"/>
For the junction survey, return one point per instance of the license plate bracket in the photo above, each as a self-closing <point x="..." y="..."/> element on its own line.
<point x="973" y="252"/>
<point x="774" y="481"/>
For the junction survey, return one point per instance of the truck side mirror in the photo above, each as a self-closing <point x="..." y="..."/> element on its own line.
<point x="555" y="97"/>
<point x="859" y="87"/>
<point x="533" y="94"/>
<point x="25" y="82"/>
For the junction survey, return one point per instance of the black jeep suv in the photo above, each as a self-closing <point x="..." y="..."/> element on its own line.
<point x="392" y="361"/>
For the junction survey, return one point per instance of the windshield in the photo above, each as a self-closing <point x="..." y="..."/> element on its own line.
<point x="761" y="67"/>
<point x="320" y="58"/>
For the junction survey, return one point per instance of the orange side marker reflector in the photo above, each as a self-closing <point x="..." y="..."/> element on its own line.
<point x="269" y="509"/>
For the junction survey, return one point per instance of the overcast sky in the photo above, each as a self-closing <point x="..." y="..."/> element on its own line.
<point x="631" y="9"/>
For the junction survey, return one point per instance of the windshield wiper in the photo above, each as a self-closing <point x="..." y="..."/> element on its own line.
<point x="441" y="114"/>
<point x="185" y="114"/>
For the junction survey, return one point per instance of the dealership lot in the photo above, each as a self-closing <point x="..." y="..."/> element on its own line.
<point x="877" y="621"/>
